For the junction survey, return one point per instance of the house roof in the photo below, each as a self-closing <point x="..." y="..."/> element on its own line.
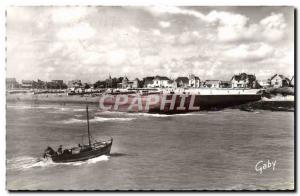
<point x="161" y="78"/>
<point x="243" y="76"/>
<point x="183" y="79"/>
<point x="148" y="80"/>
<point x="225" y="82"/>
<point x="27" y="81"/>
<point x="125" y="79"/>
<point x="212" y="81"/>
<point x="192" y="76"/>
<point x="170" y="81"/>
<point x="281" y="76"/>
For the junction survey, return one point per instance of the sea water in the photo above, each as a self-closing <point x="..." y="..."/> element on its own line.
<point x="194" y="151"/>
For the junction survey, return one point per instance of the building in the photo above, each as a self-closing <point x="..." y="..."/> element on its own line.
<point x="182" y="82"/>
<point x="58" y="83"/>
<point x="212" y="83"/>
<point x="278" y="81"/>
<point x="160" y="82"/>
<point x="130" y="84"/>
<point x="243" y="80"/>
<point x="194" y="81"/>
<point x="74" y="84"/>
<point x="264" y="83"/>
<point x="225" y="84"/>
<point x="171" y="84"/>
<point x="27" y="84"/>
<point x="148" y="82"/>
<point x="11" y="83"/>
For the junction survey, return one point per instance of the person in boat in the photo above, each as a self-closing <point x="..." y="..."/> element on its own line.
<point x="59" y="150"/>
<point x="66" y="151"/>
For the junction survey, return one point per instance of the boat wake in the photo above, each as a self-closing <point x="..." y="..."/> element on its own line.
<point x="96" y="119"/>
<point x="24" y="163"/>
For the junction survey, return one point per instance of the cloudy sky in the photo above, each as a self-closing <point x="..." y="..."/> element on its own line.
<point x="89" y="43"/>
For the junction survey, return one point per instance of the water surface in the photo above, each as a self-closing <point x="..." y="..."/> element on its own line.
<point x="194" y="151"/>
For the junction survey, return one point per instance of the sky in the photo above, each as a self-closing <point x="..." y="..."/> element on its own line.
<point x="91" y="43"/>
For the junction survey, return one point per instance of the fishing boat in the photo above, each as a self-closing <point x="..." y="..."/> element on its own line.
<point x="81" y="152"/>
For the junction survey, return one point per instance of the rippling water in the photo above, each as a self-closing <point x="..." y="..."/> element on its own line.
<point x="203" y="150"/>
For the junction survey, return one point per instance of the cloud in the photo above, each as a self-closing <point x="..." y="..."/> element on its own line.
<point x="273" y="27"/>
<point x="69" y="14"/>
<point x="157" y="10"/>
<point x="164" y="24"/>
<point x="233" y="27"/>
<point x="226" y="18"/>
<point x="77" y="31"/>
<point x="250" y="52"/>
<point x="188" y="37"/>
<point x="213" y="43"/>
<point x="156" y="32"/>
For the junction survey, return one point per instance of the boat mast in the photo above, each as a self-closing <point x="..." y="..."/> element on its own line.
<point x="88" y="124"/>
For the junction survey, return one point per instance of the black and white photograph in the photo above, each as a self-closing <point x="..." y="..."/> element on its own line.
<point x="140" y="98"/>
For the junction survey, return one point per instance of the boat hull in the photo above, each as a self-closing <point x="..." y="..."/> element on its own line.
<point x="191" y="103"/>
<point x="82" y="156"/>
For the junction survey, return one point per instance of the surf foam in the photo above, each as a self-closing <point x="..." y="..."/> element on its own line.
<point x="24" y="163"/>
<point x="96" y="119"/>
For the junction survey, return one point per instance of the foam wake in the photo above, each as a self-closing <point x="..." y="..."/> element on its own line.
<point x="24" y="163"/>
<point x="96" y="119"/>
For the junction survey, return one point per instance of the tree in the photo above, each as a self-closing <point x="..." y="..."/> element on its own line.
<point x="86" y="86"/>
<point x="99" y="84"/>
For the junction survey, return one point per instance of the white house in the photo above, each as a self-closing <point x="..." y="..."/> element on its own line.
<point x="160" y="82"/>
<point x="182" y="82"/>
<point x="130" y="84"/>
<point x="279" y="81"/>
<point x="27" y="84"/>
<point x="243" y="80"/>
<point x="212" y="83"/>
<point x="293" y="81"/>
<point x="194" y="81"/>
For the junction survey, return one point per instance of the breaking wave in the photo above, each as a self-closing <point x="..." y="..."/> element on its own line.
<point x="24" y="163"/>
<point x="96" y="119"/>
<point x="148" y="114"/>
<point x="279" y="98"/>
<point x="51" y="108"/>
<point x="164" y="115"/>
<point x="24" y="107"/>
<point x="110" y="113"/>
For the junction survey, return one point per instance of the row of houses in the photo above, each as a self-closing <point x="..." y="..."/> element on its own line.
<point x="11" y="83"/>
<point x="277" y="81"/>
<point x="241" y="80"/>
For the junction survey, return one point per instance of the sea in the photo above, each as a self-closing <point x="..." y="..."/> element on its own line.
<point x="207" y="150"/>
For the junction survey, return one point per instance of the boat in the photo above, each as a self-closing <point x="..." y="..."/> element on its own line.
<point x="199" y="98"/>
<point x="179" y="101"/>
<point x="82" y="152"/>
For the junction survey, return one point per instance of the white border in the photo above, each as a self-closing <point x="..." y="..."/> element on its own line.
<point x="5" y="3"/>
